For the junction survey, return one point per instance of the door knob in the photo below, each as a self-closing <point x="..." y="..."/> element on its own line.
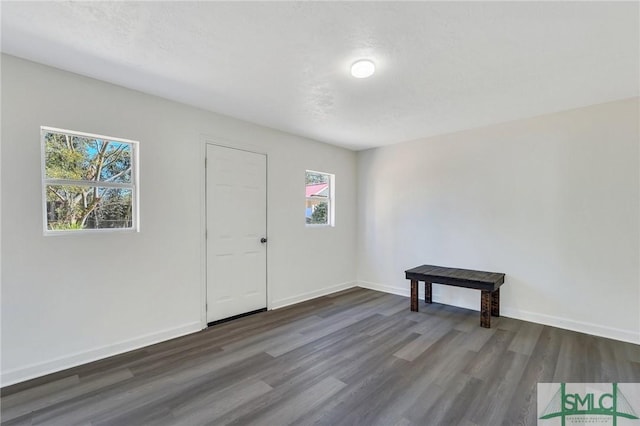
<point x="263" y="240"/>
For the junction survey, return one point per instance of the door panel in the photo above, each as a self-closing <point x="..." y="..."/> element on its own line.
<point x="236" y="221"/>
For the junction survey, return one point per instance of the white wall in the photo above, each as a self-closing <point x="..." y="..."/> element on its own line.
<point x="551" y="201"/>
<point x="67" y="300"/>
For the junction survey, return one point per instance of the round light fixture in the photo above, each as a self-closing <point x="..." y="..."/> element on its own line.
<point x="363" y="68"/>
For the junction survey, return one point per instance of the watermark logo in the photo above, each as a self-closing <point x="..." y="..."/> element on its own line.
<point x="572" y="404"/>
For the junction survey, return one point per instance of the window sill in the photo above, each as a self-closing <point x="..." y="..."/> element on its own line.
<point x="310" y="225"/>
<point x="90" y="232"/>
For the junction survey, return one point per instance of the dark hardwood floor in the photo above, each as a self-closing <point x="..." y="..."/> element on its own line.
<point x="355" y="357"/>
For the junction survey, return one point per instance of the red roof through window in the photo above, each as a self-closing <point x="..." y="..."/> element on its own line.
<point x="315" y="189"/>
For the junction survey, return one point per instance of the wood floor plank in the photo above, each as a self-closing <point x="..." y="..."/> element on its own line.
<point x="38" y="391"/>
<point x="403" y="422"/>
<point x="449" y="407"/>
<point x="416" y="347"/>
<point x="354" y="357"/>
<point x="207" y="408"/>
<point x="540" y="368"/>
<point x="69" y="393"/>
<point x="491" y="411"/>
<point x="144" y="390"/>
<point x="396" y="304"/>
<point x="490" y="357"/>
<point x="419" y="384"/>
<point x="475" y="338"/>
<point x="288" y="412"/>
<point x="365" y="397"/>
<point x="526" y="338"/>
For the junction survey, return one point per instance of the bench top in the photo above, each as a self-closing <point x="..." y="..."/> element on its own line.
<point x="468" y="278"/>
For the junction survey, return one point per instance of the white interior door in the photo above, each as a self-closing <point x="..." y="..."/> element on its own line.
<point x="236" y="224"/>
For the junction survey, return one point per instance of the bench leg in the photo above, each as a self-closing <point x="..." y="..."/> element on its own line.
<point x="485" y="309"/>
<point x="495" y="303"/>
<point x="414" y="295"/>
<point x="427" y="292"/>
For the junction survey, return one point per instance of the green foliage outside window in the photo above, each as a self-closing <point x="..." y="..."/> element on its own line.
<point x="318" y="198"/>
<point x="88" y="181"/>
<point x="319" y="215"/>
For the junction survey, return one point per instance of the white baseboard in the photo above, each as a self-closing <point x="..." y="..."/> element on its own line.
<point x="406" y="291"/>
<point x="554" y="321"/>
<point x="28" y="372"/>
<point x="37" y="370"/>
<point x="400" y="291"/>
<point x="311" y="295"/>
<point x="573" y="325"/>
<point x="22" y="374"/>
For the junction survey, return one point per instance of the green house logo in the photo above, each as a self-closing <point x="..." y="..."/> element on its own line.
<point x="593" y="403"/>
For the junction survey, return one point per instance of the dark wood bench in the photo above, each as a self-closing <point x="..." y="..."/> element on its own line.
<point x="487" y="282"/>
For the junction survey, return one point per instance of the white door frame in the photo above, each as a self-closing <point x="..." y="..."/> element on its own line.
<point x="224" y="143"/>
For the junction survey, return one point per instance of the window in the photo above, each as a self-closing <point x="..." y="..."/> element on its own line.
<point x="319" y="198"/>
<point x="89" y="182"/>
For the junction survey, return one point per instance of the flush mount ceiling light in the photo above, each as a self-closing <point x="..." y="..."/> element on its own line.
<point x="363" y="68"/>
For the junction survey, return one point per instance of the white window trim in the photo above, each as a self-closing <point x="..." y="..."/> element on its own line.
<point x="331" y="221"/>
<point x="134" y="185"/>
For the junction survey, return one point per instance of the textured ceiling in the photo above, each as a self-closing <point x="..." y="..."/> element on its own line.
<point x="441" y="67"/>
